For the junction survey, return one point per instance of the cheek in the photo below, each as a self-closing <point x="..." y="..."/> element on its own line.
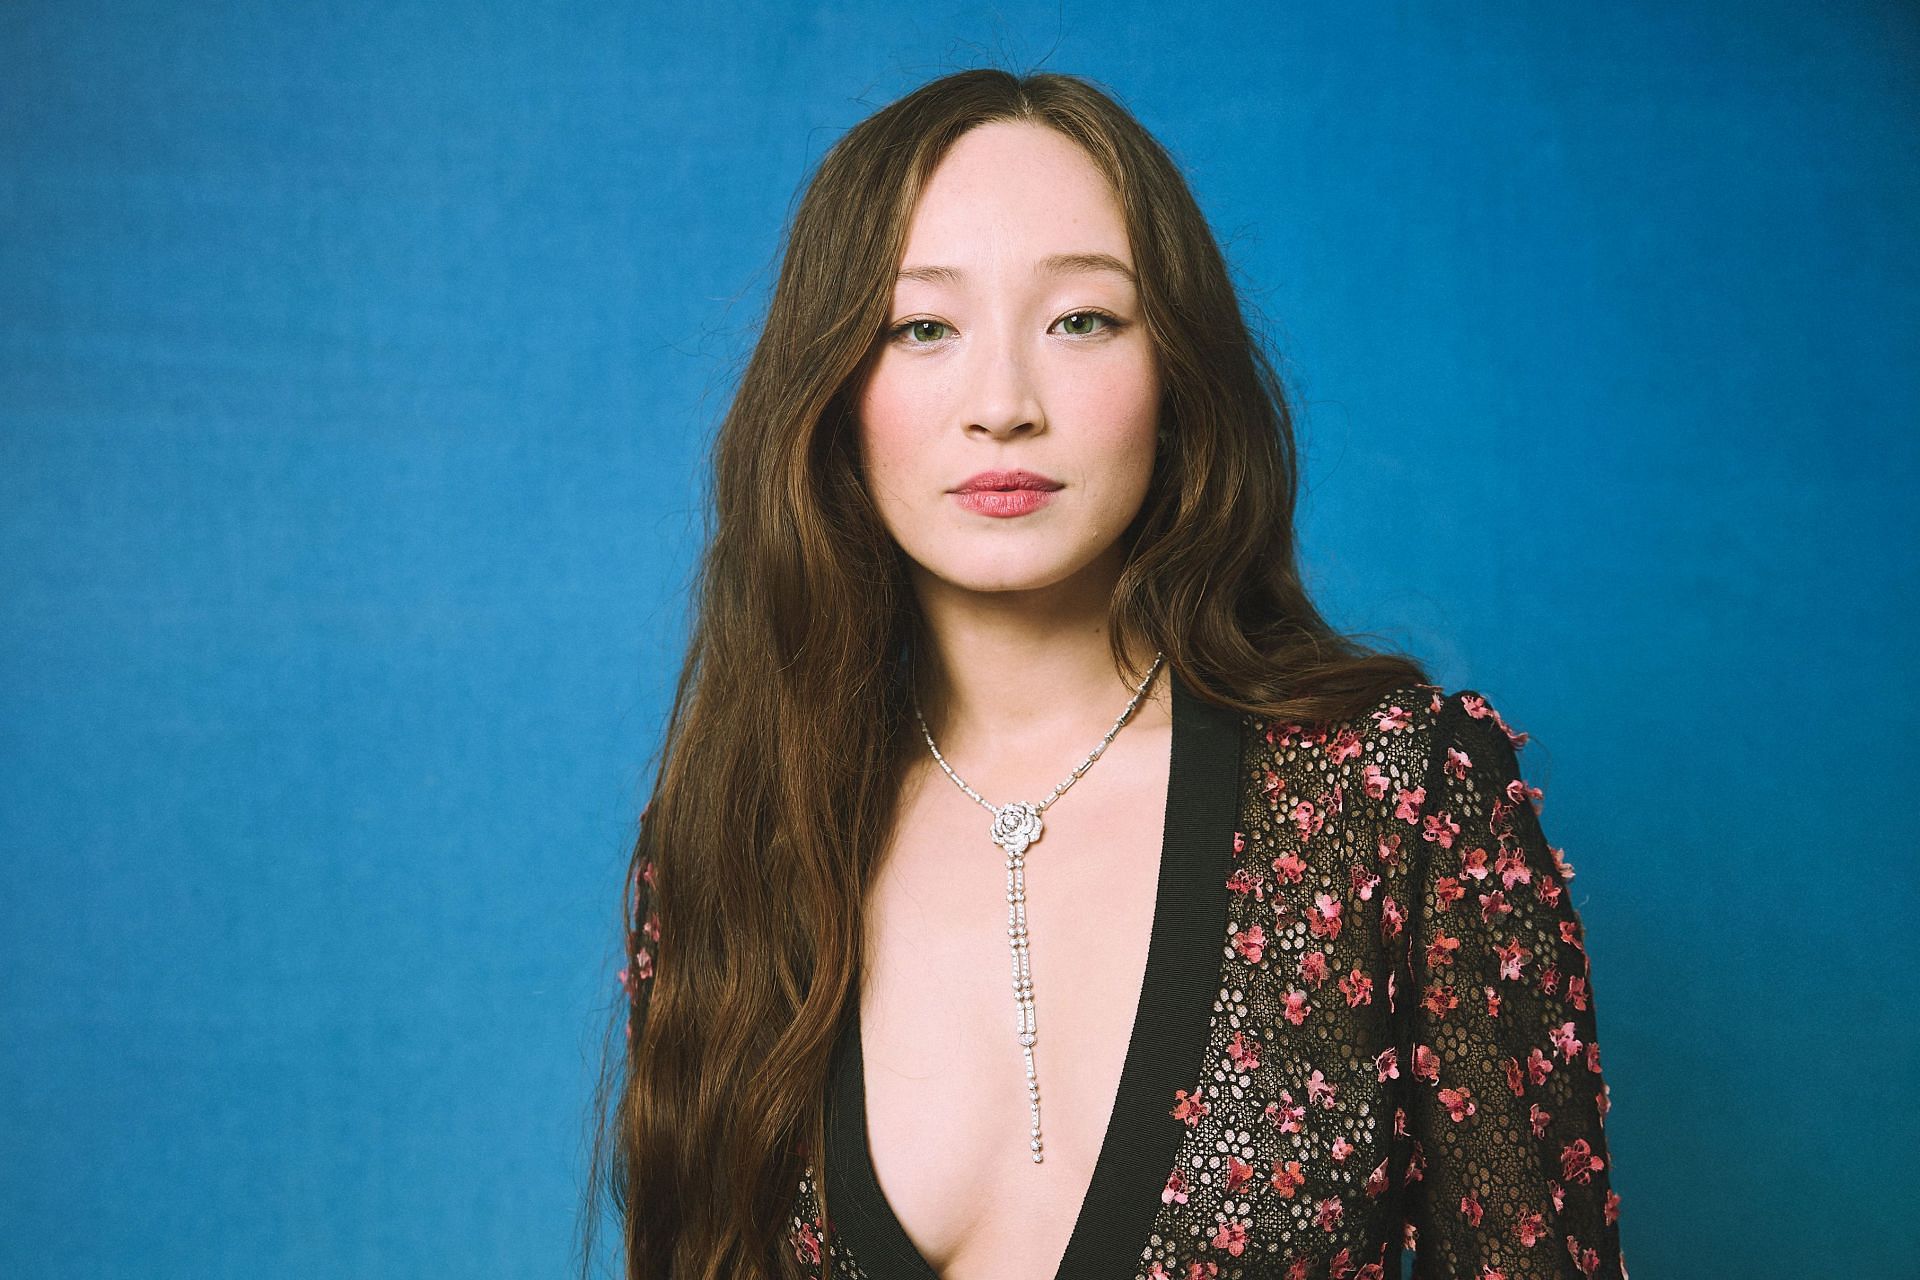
<point x="1122" y="408"/>
<point x="1123" y="420"/>
<point x="887" y="430"/>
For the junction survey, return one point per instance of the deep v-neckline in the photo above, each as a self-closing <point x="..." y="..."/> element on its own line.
<point x="1164" y="1049"/>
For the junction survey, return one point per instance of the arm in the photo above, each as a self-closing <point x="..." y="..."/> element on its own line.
<point x="1509" y="1175"/>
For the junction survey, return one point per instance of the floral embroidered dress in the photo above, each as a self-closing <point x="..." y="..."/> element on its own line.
<point x="1366" y="1026"/>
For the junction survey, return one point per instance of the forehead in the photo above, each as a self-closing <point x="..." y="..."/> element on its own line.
<point x="1014" y="191"/>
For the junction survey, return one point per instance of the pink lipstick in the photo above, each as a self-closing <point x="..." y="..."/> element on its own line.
<point x="1005" y="493"/>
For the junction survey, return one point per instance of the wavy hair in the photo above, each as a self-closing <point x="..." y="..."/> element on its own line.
<point x="777" y="781"/>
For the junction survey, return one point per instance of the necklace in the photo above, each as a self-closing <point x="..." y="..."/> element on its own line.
<point x="1015" y="826"/>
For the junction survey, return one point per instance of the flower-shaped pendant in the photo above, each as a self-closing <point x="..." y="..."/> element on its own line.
<point x="1015" y="826"/>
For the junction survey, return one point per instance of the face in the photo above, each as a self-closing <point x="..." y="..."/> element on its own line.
<point x="1015" y="343"/>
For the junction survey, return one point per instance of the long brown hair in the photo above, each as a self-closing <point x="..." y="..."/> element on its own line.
<point x="777" y="787"/>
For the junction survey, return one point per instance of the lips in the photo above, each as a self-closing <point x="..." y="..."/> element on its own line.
<point x="1007" y="481"/>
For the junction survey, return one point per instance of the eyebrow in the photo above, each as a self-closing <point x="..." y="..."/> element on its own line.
<point x="1057" y="264"/>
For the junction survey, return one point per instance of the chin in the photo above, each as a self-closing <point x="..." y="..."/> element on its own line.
<point x="1043" y="562"/>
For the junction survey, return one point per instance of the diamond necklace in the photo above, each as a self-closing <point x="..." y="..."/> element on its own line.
<point x="1015" y="826"/>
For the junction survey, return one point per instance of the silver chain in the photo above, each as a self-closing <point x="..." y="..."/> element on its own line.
<point x="1015" y="826"/>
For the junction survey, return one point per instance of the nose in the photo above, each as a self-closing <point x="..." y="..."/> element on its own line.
<point x="1004" y="398"/>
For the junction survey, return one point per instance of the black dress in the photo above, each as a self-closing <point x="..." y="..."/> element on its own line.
<point x="1366" y="1025"/>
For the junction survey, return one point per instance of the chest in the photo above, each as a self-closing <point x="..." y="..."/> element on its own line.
<point x="947" y="1107"/>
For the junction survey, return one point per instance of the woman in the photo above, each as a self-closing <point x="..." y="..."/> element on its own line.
<point x="1035" y="883"/>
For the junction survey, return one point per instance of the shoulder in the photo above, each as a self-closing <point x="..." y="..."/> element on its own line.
<point x="1432" y="721"/>
<point x="1396" y="730"/>
<point x="1395" y="750"/>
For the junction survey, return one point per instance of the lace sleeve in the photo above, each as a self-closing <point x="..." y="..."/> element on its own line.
<point x="643" y="936"/>
<point x="1509" y="1175"/>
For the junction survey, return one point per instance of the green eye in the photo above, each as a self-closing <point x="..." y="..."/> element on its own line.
<point x="912" y="326"/>
<point x="1101" y="316"/>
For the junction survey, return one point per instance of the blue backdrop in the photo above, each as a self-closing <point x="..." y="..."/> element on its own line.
<point x="357" y="363"/>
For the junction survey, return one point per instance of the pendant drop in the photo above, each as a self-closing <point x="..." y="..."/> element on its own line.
<point x="1015" y="826"/>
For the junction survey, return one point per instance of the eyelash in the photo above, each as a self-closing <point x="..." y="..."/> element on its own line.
<point x="1113" y="324"/>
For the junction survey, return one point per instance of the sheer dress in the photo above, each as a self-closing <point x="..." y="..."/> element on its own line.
<point x="1366" y="1026"/>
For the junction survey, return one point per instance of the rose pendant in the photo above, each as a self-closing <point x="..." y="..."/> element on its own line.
<point x="1015" y="826"/>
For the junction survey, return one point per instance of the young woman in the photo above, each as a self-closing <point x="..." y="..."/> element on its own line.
<point x="1035" y="884"/>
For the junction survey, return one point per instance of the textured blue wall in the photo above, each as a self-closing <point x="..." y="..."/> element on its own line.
<point x="356" y="365"/>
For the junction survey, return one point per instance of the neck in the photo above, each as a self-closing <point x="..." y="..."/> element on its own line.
<point x="1024" y="681"/>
